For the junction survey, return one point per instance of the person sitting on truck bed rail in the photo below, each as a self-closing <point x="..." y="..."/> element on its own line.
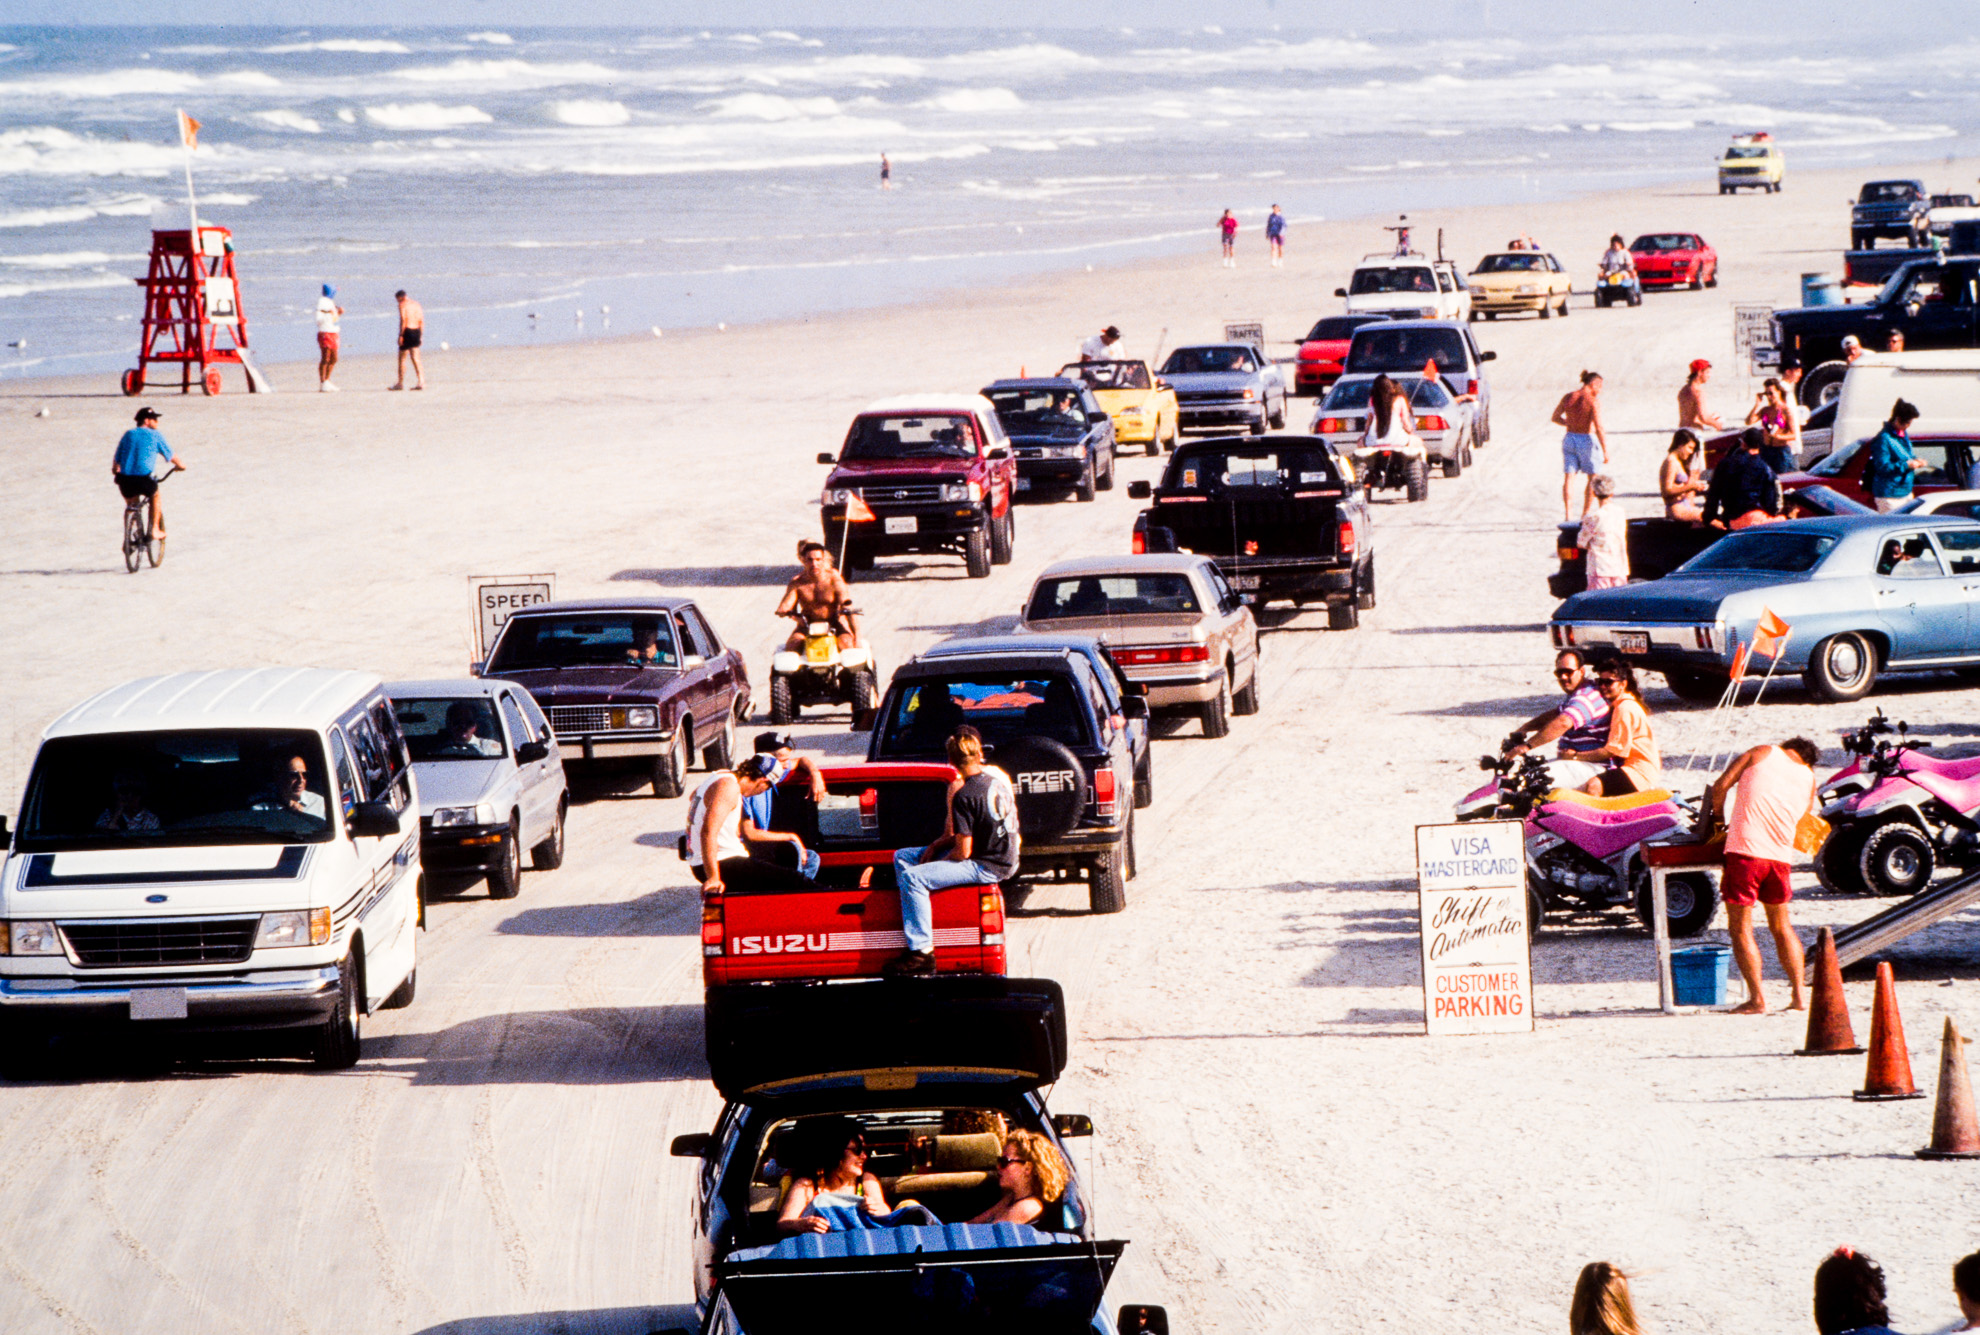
<point x="1033" y="1175"/>
<point x="716" y="854"/>
<point x="766" y="843"/>
<point x="980" y="847"/>
<point x="831" y="1191"/>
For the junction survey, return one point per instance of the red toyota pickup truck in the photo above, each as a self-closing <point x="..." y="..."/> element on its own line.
<point x="842" y="930"/>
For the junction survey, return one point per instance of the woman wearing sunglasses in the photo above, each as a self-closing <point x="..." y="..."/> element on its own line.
<point x="1033" y="1175"/>
<point x="1631" y="748"/>
<point x="832" y="1192"/>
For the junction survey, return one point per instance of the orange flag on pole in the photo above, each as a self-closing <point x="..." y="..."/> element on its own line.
<point x="1769" y="633"/>
<point x="188" y="131"/>
<point x="1740" y="656"/>
<point x="858" y="511"/>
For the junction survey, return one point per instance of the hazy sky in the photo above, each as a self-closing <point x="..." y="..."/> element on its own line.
<point x="1673" y="16"/>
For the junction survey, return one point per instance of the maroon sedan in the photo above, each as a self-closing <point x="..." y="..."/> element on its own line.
<point x="1949" y="463"/>
<point x="1322" y="352"/>
<point x="1675" y="259"/>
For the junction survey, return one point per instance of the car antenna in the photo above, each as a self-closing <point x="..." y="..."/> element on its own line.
<point x="1160" y="339"/>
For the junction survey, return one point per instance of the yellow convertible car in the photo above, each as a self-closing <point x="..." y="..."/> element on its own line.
<point x="1143" y="408"/>
<point x="1519" y="280"/>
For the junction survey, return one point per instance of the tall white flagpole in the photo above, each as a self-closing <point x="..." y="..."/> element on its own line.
<point x="192" y="211"/>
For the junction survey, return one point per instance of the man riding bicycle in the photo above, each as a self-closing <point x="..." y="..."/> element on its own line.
<point x="135" y="465"/>
<point x="819" y="593"/>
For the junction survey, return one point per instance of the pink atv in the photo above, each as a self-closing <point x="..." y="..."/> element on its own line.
<point x="1897" y="816"/>
<point x="1585" y="854"/>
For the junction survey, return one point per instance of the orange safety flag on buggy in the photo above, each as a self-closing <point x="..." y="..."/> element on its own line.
<point x="1769" y="633"/>
<point x="857" y="510"/>
<point x="188" y="131"/>
<point x="1740" y="655"/>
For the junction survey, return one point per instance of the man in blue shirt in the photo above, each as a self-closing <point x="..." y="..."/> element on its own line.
<point x="1891" y="467"/>
<point x="758" y="808"/>
<point x="1275" y="234"/>
<point x="135" y="465"/>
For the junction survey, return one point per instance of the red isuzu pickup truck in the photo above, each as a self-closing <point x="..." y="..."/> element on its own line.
<point x="844" y="930"/>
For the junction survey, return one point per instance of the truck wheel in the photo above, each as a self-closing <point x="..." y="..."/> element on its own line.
<point x="1823" y="385"/>
<point x="1106" y="881"/>
<point x="1712" y="279"/>
<point x="1144" y="782"/>
<point x="1689" y="901"/>
<point x="1364" y="596"/>
<point x="1245" y="702"/>
<point x="1547" y="310"/>
<point x="1725" y="190"/>
<point x="505" y="882"/>
<point x="549" y="855"/>
<point x="1106" y="480"/>
<point x="1216" y="712"/>
<point x="1277" y="420"/>
<point x="1003" y="538"/>
<point x="1696" y="688"/>
<point x="337" y="1042"/>
<point x="783" y="709"/>
<point x="1842" y="668"/>
<point x="1464" y="457"/>
<point x="1418" y="480"/>
<point x="402" y="995"/>
<point x="1564" y="305"/>
<point x="1858" y="241"/>
<point x="670" y="766"/>
<point x="1897" y="859"/>
<point x="976" y="551"/>
<point x="1697" y="281"/>
<point x="1343" y="616"/>
<point x="1085" y="487"/>
<point x="862" y="697"/>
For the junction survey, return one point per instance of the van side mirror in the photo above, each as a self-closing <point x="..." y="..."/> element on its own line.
<point x="476" y="668"/>
<point x="1143" y="1319"/>
<point x="1136" y="707"/>
<point x="1342" y="293"/>
<point x="826" y="458"/>
<point x="692" y="1146"/>
<point x="530" y="752"/>
<point x="1072" y="1124"/>
<point x="1488" y="356"/>
<point x="374" y="820"/>
<point x="1139" y="490"/>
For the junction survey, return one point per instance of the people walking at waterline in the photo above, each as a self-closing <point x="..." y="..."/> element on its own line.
<point x="1275" y="236"/>
<point x="412" y="331"/>
<point x="1227" y="228"/>
<point x="886" y="173"/>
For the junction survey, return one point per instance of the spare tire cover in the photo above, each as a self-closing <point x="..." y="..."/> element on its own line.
<point x="1050" y="784"/>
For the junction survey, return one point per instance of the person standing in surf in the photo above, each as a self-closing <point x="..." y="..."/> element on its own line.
<point x="329" y="316"/>
<point x="886" y="173"/>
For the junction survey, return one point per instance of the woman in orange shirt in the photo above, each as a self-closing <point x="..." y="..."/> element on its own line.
<point x="1632" y="747"/>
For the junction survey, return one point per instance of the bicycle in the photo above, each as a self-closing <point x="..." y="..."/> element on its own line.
<point x="139" y="542"/>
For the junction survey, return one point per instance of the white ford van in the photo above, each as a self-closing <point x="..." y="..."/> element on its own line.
<point x="215" y="850"/>
<point x="1943" y="384"/>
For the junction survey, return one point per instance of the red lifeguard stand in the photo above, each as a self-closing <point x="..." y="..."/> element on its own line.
<point x="192" y="313"/>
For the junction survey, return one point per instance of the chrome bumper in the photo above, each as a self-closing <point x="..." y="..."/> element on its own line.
<point x="275" y="994"/>
<point x="609" y="746"/>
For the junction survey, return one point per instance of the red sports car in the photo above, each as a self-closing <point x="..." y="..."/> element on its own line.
<point x="1322" y="352"/>
<point x="1675" y="259"/>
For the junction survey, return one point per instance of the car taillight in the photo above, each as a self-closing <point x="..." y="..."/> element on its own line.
<point x="711" y="925"/>
<point x="1178" y="653"/>
<point x="1702" y="636"/>
<point x="1471" y="387"/>
<point x="1106" y="798"/>
<point x="1140" y="543"/>
<point x="869" y="810"/>
<point x="1432" y="422"/>
<point x="1346" y="543"/>
<point x="990" y="916"/>
<point x="1327" y="424"/>
<point x="1568" y="553"/>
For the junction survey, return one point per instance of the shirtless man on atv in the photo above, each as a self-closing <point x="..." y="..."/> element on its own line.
<point x="819" y="593"/>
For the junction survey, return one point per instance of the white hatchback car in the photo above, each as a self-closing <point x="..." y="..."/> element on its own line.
<point x="1407" y="287"/>
<point x="491" y="781"/>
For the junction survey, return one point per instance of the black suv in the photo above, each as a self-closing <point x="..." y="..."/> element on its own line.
<point x="1046" y="721"/>
<point x="1282" y="516"/>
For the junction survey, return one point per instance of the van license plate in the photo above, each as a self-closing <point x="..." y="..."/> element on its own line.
<point x="158" y="1003"/>
<point x="1633" y="641"/>
<point x="902" y="523"/>
<point x="1244" y="581"/>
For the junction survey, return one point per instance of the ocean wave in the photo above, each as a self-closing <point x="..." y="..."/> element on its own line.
<point x="282" y="118"/>
<point x="68" y="259"/>
<point x="509" y="75"/>
<point x="976" y="100"/>
<point x="66" y="213"/>
<point x="27" y="289"/>
<point x="771" y="107"/>
<point x="109" y="83"/>
<point x="586" y="111"/>
<point x="491" y="38"/>
<point x="425" y="116"/>
<point x="46" y="151"/>
<point x="227" y="198"/>
<point x="344" y="46"/>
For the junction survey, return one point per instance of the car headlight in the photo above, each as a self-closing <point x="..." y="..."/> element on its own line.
<point x="836" y="496"/>
<point x="1251" y="394"/>
<point x="1529" y="287"/>
<point x="1064" y="451"/>
<point x="482" y="813"/>
<point x="637" y="717"/>
<point x="300" y="927"/>
<point x="33" y="938"/>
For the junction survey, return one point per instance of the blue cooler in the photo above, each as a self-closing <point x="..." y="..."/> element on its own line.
<point x="1820" y="289"/>
<point x="1699" y="975"/>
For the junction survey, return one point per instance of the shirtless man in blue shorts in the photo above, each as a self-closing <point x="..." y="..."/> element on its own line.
<point x="1580" y="413"/>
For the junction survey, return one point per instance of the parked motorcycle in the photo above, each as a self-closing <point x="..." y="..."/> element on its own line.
<point x="1585" y="854"/>
<point x="822" y="674"/>
<point x="1899" y="817"/>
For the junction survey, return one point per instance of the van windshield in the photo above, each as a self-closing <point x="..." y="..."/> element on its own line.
<point x="884" y="437"/>
<point x="1396" y="278"/>
<point x="176" y="790"/>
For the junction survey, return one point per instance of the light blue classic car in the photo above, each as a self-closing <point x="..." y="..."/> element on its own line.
<point x="1863" y="595"/>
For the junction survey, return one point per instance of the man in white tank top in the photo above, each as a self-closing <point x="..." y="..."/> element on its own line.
<point x="716" y="852"/>
<point x="1772" y="788"/>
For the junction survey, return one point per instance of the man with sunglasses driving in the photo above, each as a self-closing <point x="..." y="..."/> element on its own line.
<point x="1581" y="723"/>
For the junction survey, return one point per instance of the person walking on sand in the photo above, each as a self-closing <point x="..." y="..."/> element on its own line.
<point x="1772" y="788"/>
<point x="886" y="173"/>
<point x="1604" y="536"/>
<point x="1227" y="227"/>
<point x="1691" y="400"/>
<point x="329" y="316"/>
<point x="1601" y="1303"/>
<point x="1275" y="236"/>
<point x="1580" y="413"/>
<point x="412" y="329"/>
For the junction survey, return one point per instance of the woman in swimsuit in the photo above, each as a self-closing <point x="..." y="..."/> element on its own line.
<point x="1773" y="415"/>
<point x="836" y="1194"/>
<point x="1033" y="1175"/>
<point x="1679" y="480"/>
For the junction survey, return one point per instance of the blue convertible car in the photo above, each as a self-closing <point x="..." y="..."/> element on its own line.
<point x="1863" y="594"/>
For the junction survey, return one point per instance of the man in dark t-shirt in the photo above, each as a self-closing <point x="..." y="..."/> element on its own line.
<point x="980" y="848"/>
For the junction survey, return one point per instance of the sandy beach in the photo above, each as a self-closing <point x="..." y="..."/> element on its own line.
<point x="1282" y="1146"/>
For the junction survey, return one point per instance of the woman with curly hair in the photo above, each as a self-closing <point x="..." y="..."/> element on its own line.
<point x="1849" y="1295"/>
<point x="1033" y="1175"/>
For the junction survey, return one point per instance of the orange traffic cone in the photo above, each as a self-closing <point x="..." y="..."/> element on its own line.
<point x="1888" y="1073"/>
<point x="1955" y="1130"/>
<point x="1829" y="1032"/>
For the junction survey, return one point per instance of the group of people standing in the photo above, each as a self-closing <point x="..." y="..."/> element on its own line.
<point x="1275" y="236"/>
<point x="330" y="332"/>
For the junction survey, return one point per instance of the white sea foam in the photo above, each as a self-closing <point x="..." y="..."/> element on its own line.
<point x="282" y="118"/>
<point x="45" y="151"/>
<point x="510" y="75"/>
<point x="771" y="107"/>
<point x="68" y="213"/>
<point x="590" y="112"/>
<point x="344" y="45"/>
<point x="492" y="38"/>
<point x="109" y="83"/>
<point x="425" y="116"/>
<point x="67" y="259"/>
<point x="24" y="289"/>
<point x="227" y="198"/>
<point x="977" y="100"/>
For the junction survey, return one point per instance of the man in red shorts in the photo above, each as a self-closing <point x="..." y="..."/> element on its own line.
<point x="1772" y="788"/>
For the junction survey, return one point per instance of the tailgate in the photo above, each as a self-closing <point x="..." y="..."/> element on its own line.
<point x="1282" y="527"/>
<point x="846" y="932"/>
<point x="955" y="1278"/>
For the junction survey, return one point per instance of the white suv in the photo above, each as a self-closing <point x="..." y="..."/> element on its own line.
<point x="1407" y="287"/>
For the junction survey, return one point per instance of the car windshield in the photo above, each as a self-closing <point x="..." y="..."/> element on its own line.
<point x="1350" y="395"/>
<point x="586" y="639"/>
<point x="1774" y="553"/>
<point x="1377" y="348"/>
<point x="177" y="789"/>
<point x="1747" y="151"/>
<point x="1650" y="245"/>
<point x="1952" y="201"/>
<point x="1339" y="328"/>
<point x="455" y="728"/>
<point x="1392" y="278"/>
<point x="1279" y="464"/>
<point x="1887" y="192"/>
<point x="1193" y="361"/>
<point x="1111" y="375"/>
<point x="1111" y="595"/>
<point x="1001" y="706"/>
<point x="1035" y="409"/>
<point x="1525" y="262"/>
<point x="1809" y="501"/>
<point x="889" y="437"/>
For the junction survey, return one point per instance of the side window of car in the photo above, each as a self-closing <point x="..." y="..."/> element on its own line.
<point x="518" y="726"/>
<point x="706" y="644"/>
<point x="374" y="764"/>
<point x="1096" y="697"/>
<point x="1222" y="597"/>
<point x="1962" y="549"/>
<point x="387" y="723"/>
<point x="340" y="761"/>
<point x="539" y="726"/>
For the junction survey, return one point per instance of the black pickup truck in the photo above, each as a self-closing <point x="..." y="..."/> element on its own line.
<point x="1889" y="208"/>
<point x="1282" y="516"/>
<point x="1934" y="303"/>
<point x="1863" y="267"/>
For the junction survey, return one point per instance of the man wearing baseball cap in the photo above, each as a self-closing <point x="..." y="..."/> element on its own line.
<point x="764" y="842"/>
<point x="1692" y="415"/>
<point x="135" y="465"/>
<point x="1100" y="348"/>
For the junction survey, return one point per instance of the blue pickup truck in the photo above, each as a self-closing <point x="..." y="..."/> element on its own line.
<point x="1894" y="209"/>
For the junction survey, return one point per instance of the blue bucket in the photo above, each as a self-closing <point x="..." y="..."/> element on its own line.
<point x="1699" y="975"/>
<point x="1820" y="289"/>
